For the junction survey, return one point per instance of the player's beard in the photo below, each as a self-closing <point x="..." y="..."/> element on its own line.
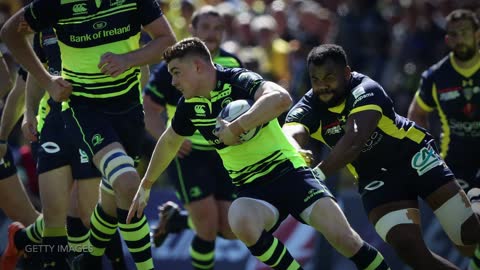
<point x="334" y="101"/>
<point x="465" y="55"/>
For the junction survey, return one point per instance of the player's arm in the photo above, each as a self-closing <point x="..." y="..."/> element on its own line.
<point x="14" y="34"/>
<point x="154" y="122"/>
<point x="358" y="129"/>
<point x="299" y="136"/>
<point x="34" y="94"/>
<point x="164" y="152"/>
<point x="162" y="37"/>
<point x="271" y="100"/>
<point x="13" y="108"/>
<point x="417" y="114"/>
<point x="144" y="75"/>
<point x="4" y="78"/>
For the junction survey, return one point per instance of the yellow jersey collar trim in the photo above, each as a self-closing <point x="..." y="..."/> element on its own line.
<point x="339" y="108"/>
<point x="465" y="72"/>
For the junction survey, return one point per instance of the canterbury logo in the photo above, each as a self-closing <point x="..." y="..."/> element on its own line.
<point x="79" y="8"/>
<point x="199" y="109"/>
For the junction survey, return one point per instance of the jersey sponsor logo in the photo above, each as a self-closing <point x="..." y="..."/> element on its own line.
<point x="50" y="147"/>
<point x="362" y="97"/>
<point x="358" y="92"/>
<point x="99" y="25"/>
<point x="50" y="40"/>
<point x="312" y="193"/>
<point x="97" y="139"/>
<point x="100" y="34"/>
<point x="425" y="160"/>
<point x="374" y="185"/>
<point x="200" y="109"/>
<point x="449" y="95"/>
<point x="83" y="156"/>
<point x="460" y="128"/>
<point x="79" y="9"/>
<point x="333" y="130"/>
<point x="227" y="90"/>
<point x="195" y="192"/>
<point x="374" y="139"/>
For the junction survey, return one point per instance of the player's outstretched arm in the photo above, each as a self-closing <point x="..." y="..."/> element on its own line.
<point x="165" y="150"/>
<point x="298" y="136"/>
<point x="358" y="130"/>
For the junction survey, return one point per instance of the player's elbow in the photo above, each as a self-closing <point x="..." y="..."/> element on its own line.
<point x="284" y="101"/>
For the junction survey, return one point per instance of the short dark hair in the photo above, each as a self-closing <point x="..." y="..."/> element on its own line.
<point x="188" y="46"/>
<point x="463" y="14"/>
<point x="203" y="11"/>
<point x="320" y="54"/>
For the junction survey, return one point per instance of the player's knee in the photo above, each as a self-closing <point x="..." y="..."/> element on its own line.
<point x="243" y="221"/>
<point x="116" y="163"/>
<point x="126" y="190"/>
<point x="458" y="220"/>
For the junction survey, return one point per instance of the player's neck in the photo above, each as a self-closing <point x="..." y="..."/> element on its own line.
<point x="468" y="63"/>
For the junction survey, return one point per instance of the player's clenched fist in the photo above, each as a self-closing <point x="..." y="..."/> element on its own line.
<point x="59" y="89"/>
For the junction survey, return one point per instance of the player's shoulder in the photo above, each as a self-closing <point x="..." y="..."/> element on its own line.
<point x="439" y="68"/>
<point x="361" y="83"/>
<point x="236" y="75"/>
<point x="233" y="59"/>
<point x="161" y="70"/>
<point x="362" y="87"/>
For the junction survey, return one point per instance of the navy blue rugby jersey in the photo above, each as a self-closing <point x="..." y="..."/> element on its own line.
<point x="86" y="30"/>
<point x="455" y="93"/>
<point x="387" y="143"/>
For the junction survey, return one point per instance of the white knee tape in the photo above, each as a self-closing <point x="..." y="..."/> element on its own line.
<point x="392" y="219"/>
<point x="452" y="214"/>
<point x="114" y="164"/>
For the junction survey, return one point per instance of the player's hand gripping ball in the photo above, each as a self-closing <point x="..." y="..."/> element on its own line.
<point x="235" y="109"/>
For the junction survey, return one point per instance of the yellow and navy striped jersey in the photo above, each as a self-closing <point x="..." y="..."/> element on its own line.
<point x="387" y="143"/>
<point x="46" y="48"/>
<point x="87" y="29"/>
<point x="455" y="93"/>
<point x="264" y="157"/>
<point x="161" y="90"/>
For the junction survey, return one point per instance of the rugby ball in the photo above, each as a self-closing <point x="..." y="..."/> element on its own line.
<point x="232" y="111"/>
